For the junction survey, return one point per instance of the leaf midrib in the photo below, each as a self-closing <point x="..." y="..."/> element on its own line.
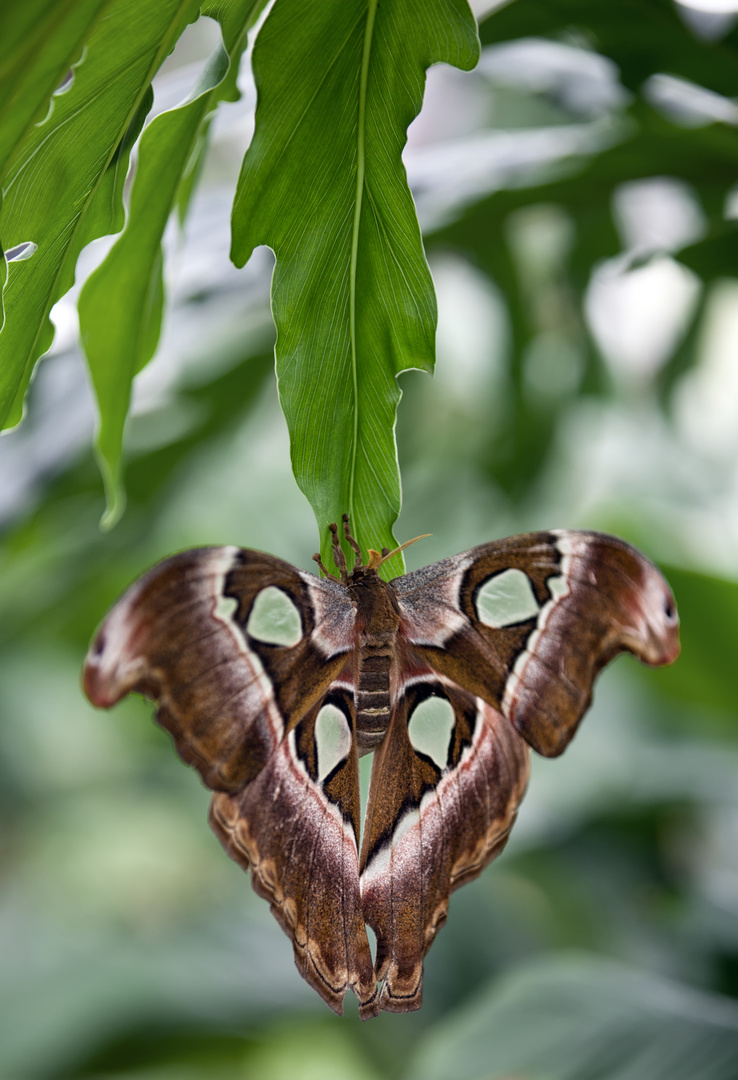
<point x="358" y="198"/>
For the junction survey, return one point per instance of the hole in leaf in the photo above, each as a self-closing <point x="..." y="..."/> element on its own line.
<point x="21" y="252"/>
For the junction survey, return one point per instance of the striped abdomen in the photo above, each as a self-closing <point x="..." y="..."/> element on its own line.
<point x="377" y="624"/>
<point x="373" y="701"/>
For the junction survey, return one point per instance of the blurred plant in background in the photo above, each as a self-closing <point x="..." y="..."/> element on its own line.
<point x="578" y="195"/>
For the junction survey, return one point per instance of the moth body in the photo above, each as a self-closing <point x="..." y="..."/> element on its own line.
<point x="376" y="626"/>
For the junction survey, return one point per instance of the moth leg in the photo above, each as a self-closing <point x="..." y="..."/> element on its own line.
<point x="354" y="546"/>
<point x="338" y="556"/>
<point x="326" y="573"/>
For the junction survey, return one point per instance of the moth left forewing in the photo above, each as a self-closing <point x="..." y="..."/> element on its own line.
<point x="184" y="636"/>
<point x="439" y="810"/>
<point x="534" y="619"/>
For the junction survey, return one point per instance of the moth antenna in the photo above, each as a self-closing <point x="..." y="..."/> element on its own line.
<point x="352" y="543"/>
<point x="376" y="558"/>
<point x="338" y="556"/>
<point x="388" y="554"/>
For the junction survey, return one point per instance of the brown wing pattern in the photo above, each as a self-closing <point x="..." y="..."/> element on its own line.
<point x="588" y="598"/>
<point x="243" y="712"/>
<point x="299" y="836"/>
<point x="506" y="640"/>
<point x="433" y="822"/>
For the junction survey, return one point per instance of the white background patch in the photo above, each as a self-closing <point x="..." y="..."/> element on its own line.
<point x="505" y="599"/>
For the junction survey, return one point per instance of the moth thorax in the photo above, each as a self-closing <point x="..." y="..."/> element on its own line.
<point x="377" y="613"/>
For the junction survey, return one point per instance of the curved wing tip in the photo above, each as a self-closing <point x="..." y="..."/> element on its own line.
<point x="96" y="688"/>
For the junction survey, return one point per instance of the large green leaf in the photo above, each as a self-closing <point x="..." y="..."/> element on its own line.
<point x="324" y="186"/>
<point x="584" y="1019"/>
<point x="64" y="187"/>
<point x="120" y="306"/>
<point x="40" y="40"/>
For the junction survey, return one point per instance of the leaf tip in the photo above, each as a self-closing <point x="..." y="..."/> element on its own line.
<point x="113" y="514"/>
<point x="115" y="496"/>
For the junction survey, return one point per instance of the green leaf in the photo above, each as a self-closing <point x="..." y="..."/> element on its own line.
<point x="324" y="186"/>
<point x="64" y="187"/>
<point x="580" y="1019"/>
<point x="41" y="40"/>
<point x="121" y="303"/>
<point x="3" y="275"/>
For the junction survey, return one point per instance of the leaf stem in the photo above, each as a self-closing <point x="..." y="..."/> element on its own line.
<point x="360" y="170"/>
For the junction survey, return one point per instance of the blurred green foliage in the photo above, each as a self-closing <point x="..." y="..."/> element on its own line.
<point x="604" y="942"/>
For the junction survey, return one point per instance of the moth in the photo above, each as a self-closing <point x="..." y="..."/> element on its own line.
<point x="272" y="681"/>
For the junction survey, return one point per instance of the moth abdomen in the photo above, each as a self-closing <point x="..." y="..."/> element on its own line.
<point x="373" y="711"/>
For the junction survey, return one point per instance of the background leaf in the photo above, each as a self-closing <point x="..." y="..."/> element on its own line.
<point x="41" y="40"/>
<point x="323" y="185"/>
<point x="580" y="1018"/>
<point x="120" y="306"/>
<point x="664" y="41"/>
<point x="85" y="145"/>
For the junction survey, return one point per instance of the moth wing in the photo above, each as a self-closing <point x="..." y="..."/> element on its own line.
<point x="528" y="622"/>
<point x="441" y="805"/>
<point x="244" y="703"/>
<point x="296" y="825"/>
